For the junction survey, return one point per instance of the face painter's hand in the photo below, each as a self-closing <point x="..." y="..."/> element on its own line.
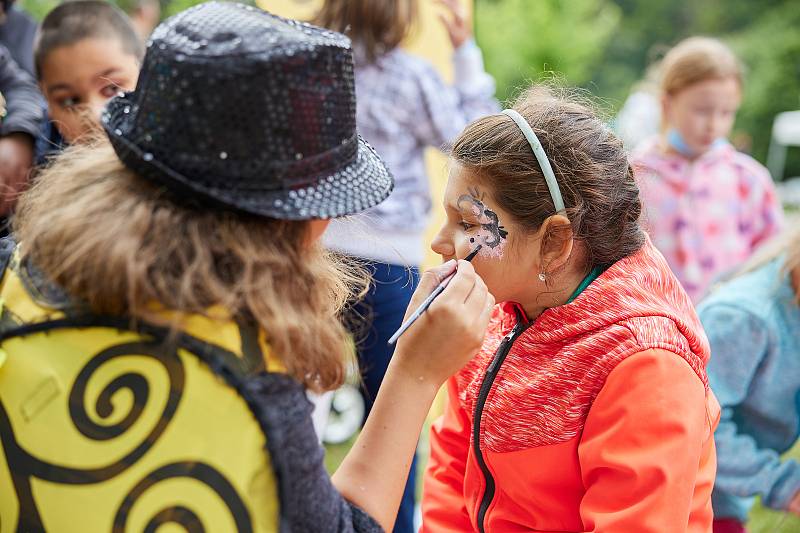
<point x="451" y="331"/>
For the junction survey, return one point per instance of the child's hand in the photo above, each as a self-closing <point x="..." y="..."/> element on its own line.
<point x="456" y="21"/>
<point x="16" y="160"/>
<point x="794" y="505"/>
<point x="451" y="331"/>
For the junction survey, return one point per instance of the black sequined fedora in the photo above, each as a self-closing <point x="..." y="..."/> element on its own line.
<point x="245" y="110"/>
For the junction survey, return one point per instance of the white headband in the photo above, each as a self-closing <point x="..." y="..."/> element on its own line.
<point x="538" y="151"/>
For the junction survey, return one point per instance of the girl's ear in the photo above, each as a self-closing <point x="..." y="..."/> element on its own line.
<point x="665" y="108"/>
<point x="556" y="244"/>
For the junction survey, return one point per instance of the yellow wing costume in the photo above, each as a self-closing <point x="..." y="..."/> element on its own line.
<point x="106" y="425"/>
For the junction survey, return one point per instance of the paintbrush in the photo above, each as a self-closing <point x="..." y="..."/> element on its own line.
<point x="429" y="300"/>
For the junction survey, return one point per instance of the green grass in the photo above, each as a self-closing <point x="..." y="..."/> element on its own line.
<point x="764" y="520"/>
<point x="334" y="455"/>
<point x="767" y="521"/>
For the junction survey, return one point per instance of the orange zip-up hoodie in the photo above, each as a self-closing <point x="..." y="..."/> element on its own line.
<point x="596" y="416"/>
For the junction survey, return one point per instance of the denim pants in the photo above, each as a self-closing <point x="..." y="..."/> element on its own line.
<point x="383" y="309"/>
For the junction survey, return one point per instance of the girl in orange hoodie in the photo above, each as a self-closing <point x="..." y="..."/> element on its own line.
<point x="588" y="407"/>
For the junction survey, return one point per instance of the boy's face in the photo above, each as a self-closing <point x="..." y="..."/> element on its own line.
<point x="508" y="261"/>
<point x="77" y="81"/>
<point x="704" y="111"/>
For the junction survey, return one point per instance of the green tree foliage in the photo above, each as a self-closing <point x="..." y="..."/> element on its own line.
<point x="37" y="8"/>
<point x="522" y="39"/>
<point x="770" y="48"/>
<point x="170" y="7"/>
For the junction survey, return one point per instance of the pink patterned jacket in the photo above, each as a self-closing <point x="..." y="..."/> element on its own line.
<point x="706" y="216"/>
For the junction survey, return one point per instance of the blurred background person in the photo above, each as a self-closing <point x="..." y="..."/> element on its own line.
<point x="22" y="120"/>
<point x="403" y="108"/>
<point x="753" y="325"/>
<point x="144" y="15"/>
<point x="20" y="125"/>
<point x="639" y="118"/>
<point x="17" y="33"/>
<point x="708" y="207"/>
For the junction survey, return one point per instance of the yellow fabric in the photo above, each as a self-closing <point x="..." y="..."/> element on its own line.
<point x="211" y="425"/>
<point x="225" y="333"/>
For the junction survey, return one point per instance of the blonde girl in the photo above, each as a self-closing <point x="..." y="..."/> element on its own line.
<point x="707" y="206"/>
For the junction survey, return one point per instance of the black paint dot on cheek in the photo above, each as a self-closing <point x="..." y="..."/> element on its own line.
<point x="472" y="239"/>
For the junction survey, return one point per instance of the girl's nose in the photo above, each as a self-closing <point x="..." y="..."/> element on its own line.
<point x="716" y="124"/>
<point x="443" y="245"/>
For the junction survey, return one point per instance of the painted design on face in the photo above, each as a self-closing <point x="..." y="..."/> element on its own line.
<point x="491" y="235"/>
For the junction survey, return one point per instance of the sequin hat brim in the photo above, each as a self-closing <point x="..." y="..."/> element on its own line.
<point x="357" y="186"/>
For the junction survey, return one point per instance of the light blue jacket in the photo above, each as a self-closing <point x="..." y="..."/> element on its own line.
<point x="753" y="325"/>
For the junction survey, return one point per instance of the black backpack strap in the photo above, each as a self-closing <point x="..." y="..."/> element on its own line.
<point x="7" y="247"/>
<point x="42" y="291"/>
<point x="221" y="361"/>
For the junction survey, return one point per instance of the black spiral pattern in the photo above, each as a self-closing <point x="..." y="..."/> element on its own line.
<point x="174" y="368"/>
<point x="181" y="515"/>
<point x="26" y="467"/>
<point x="177" y="515"/>
<point x="136" y="383"/>
<point x="231" y="368"/>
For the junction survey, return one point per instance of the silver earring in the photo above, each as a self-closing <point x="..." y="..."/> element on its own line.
<point x="542" y="277"/>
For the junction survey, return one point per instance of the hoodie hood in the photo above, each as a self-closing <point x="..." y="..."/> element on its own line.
<point x="636" y="287"/>
<point x="555" y="368"/>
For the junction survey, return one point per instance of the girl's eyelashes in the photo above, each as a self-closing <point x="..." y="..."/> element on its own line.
<point x="71" y="102"/>
<point x="466" y="225"/>
<point x="110" y="90"/>
<point x="67" y="103"/>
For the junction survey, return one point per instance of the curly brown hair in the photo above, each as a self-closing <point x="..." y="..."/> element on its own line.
<point x="121" y="244"/>
<point x="379" y="26"/>
<point x="591" y="167"/>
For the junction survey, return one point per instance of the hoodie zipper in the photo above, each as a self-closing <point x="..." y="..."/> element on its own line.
<point x="486" y="386"/>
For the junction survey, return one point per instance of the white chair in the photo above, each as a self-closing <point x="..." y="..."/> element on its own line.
<point x="785" y="133"/>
